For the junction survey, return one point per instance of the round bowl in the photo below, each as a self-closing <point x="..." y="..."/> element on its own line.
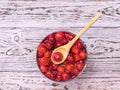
<point x="71" y="67"/>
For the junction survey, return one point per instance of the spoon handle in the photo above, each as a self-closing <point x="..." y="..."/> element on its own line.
<point x="91" y="22"/>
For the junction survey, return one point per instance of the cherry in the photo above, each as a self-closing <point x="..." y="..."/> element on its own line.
<point x="71" y="36"/>
<point x="54" y="66"/>
<point x="49" y="45"/>
<point x="66" y="76"/>
<point x="65" y="63"/>
<point x="64" y="41"/>
<point x="42" y="49"/>
<point x="79" y="44"/>
<point x="83" y="55"/>
<point x="48" y="54"/>
<point x="70" y="58"/>
<point x="77" y="57"/>
<point x="43" y="61"/>
<point x="43" y="68"/>
<point x="58" y="44"/>
<point x="45" y="40"/>
<point x="59" y="35"/>
<point x="38" y="61"/>
<point x="80" y="66"/>
<point x="69" y="67"/>
<point x="76" y="71"/>
<point x="57" y="56"/>
<point x="61" y="69"/>
<point x="40" y="54"/>
<point x="53" y="75"/>
<point x="51" y="38"/>
<point x="48" y="74"/>
<point x="59" y="78"/>
<point x="75" y="50"/>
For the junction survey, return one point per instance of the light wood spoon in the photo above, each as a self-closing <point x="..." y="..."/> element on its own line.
<point x="64" y="50"/>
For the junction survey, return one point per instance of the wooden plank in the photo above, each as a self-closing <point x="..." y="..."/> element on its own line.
<point x="64" y="0"/>
<point x="58" y="14"/>
<point x="29" y="81"/>
<point x="100" y="42"/>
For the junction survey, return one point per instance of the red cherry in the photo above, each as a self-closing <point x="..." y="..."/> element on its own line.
<point x="79" y="44"/>
<point x="44" y="61"/>
<point x="64" y="41"/>
<point x="49" y="45"/>
<point x="53" y="75"/>
<point x="69" y="67"/>
<point x="70" y="58"/>
<point x="66" y="76"/>
<point x="83" y="55"/>
<point x="59" y="78"/>
<point x="76" y="71"/>
<point x="77" y="57"/>
<point x="42" y="44"/>
<point x="80" y="66"/>
<point x="71" y="36"/>
<point x="48" y="54"/>
<point x="54" y="66"/>
<point x="40" y="54"/>
<point x="38" y="61"/>
<point x="43" y="68"/>
<point x="75" y="50"/>
<point x="58" y="44"/>
<point x="45" y="40"/>
<point x="61" y="69"/>
<point x="65" y="62"/>
<point x="57" y="56"/>
<point x="42" y="49"/>
<point x="59" y="35"/>
<point x="51" y="38"/>
<point x="48" y="74"/>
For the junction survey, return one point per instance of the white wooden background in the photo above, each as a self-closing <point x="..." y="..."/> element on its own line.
<point x="24" y="23"/>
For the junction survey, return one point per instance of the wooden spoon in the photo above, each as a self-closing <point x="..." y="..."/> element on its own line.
<point x="64" y="50"/>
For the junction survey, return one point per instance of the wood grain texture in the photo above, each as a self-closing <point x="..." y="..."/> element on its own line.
<point x="58" y="14"/>
<point x="24" y="23"/>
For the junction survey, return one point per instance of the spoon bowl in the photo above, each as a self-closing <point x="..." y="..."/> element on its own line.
<point x="63" y="51"/>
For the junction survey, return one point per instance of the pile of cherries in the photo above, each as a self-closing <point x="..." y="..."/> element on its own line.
<point x="74" y="62"/>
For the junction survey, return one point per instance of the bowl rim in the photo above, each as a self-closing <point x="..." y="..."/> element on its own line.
<point x="79" y="72"/>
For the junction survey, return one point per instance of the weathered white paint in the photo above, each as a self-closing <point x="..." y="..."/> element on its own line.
<point x="24" y="23"/>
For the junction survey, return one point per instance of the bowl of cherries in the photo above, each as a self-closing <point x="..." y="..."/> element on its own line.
<point x="73" y="64"/>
